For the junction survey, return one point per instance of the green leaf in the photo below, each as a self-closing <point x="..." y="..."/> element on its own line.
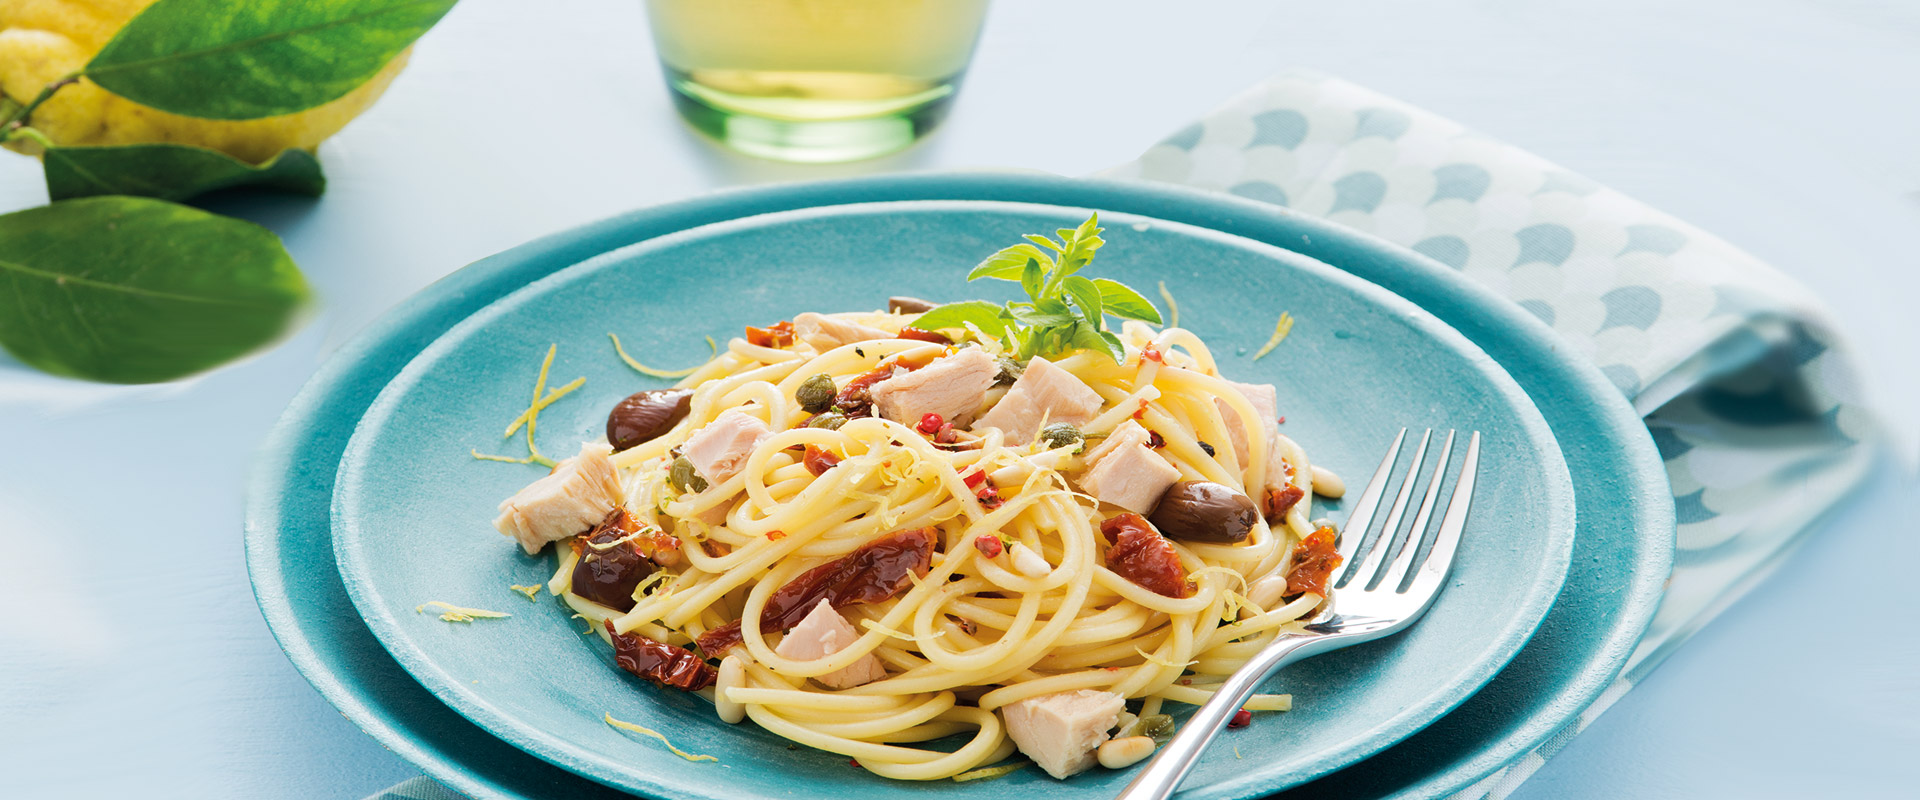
<point x="1122" y="301"/>
<point x="1042" y="241"/>
<point x="984" y="315"/>
<point x="1033" y="279"/>
<point x="1081" y="244"/>
<point x="134" y="290"/>
<point x="173" y="172"/>
<point x="1087" y="297"/>
<point x="1085" y="337"/>
<point x="1009" y="264"/>
<point x="225" y="60"/>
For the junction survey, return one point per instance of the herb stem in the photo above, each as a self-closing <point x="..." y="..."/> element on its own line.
<point x="17" y="119"/>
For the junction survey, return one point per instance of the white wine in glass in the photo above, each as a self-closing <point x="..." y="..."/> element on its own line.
<point x="815" y="80"/>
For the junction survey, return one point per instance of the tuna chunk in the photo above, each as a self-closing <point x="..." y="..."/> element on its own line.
<point x="1128" y="473"/>
<point x="1046" y="392"/>
<point x="825" y="333"/>
<point x="1261" y="397"/>
<point x="720" y="449"/>
<point x="952" y="386"/>
<point x="571" y="500"/>
<point x="1060" y="732"/>
<point x="822" y="633"/>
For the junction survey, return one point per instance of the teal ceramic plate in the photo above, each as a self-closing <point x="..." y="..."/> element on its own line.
<point x="412" y="507"/>
<point x="1621" y="557"/>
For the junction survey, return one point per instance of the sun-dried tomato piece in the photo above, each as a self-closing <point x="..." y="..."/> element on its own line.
<point x="663" y="664"/>
<point x="611" y="562"/>
<point x="1314" y="560"/>
<point x="925" y="336"/>
<point x="856" y="398"/>
<point x="877" y="571"/>
<point x="1140" y="554"/>
<point x="717" y="641"/>
<point x="1281" y="501"/>
<point x="779" y="334"/>
<point x="818" y="461"/>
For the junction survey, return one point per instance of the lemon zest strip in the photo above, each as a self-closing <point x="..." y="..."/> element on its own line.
<point x="657" y="735"/>
<point x="529" y="591"/>
<point x="544" y="402"/>
<point x="1280" y="331"/>
<point x="459" y="613"/>
<point x="661" y="373"/>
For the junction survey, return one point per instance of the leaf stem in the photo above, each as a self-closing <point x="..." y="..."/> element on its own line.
<point x="17" y="120"/>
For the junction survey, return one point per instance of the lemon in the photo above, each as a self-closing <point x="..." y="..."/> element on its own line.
<point x="42" y="41"/>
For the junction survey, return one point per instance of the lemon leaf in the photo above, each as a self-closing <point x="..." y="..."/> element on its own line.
<point x="218" y="59"/>
<point x="135" y="290"/>
<point x="173" y="172"/>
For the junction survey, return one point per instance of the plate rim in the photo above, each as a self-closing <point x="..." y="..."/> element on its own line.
<point x="1537" y="591"/>
<point x="282" y="466"/>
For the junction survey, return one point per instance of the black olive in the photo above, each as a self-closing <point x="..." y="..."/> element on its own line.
<point x="1204" y="511"/>
<point x="909" y="305"/>
<point x="1208" y="448"/>
<point x="610" y="566"/>
<point x="645" y="415"/>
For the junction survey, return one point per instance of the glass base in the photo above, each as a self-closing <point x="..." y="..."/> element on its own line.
<point x="771" y="128"/>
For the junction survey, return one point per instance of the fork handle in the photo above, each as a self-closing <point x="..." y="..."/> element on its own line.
<point x="1162" y="775"/>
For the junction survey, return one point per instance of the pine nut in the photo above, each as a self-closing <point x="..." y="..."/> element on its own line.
<point x="1029" y="563"/>
<point x="1267" y="591"/>
<point x="732" y="674"/>
<point x="1123" y="753"/>
<point x="1327" y="484"/>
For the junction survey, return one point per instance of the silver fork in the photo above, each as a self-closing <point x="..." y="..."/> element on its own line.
<point x="1380" y="602"/>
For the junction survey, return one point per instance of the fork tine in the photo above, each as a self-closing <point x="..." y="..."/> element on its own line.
<point x="1361" y="519"/>
<point x="1382" y="547"/>
<point x="1428" y="579"/>
<point x="1396" y="575"/>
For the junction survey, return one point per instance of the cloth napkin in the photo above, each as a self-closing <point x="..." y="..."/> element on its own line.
<point x="1748" y="392"/>
<point x="1744" y="385"/>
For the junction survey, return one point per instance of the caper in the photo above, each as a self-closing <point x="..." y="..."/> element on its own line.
<point x="831" y="420"/>
<point x="1060" y="434"/>
<point x="684" y="478"/>
<point x="1157" y="726"/>
<point x="816" y="393"/>
<point x="1010" y="371"/>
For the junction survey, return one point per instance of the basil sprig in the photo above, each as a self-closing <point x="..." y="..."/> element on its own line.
<point x="1065" y="311"/>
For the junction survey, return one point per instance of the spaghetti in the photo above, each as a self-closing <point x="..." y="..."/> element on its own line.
<point x="877" y="576"/>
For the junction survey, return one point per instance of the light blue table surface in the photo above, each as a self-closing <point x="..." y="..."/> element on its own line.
<point x="134" y="663"/>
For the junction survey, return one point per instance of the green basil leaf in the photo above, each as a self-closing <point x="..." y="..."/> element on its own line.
<point x="225" y="60"/>
<point x="984" y="315"/>
<point x="1081" y="244"/>
<point x="1032" y="279"/>
<point x="1087" y="296"/>
<point x="173" y="172"/>
<point x="1026" y="314"/>
<point x="1122" y="301"/>
<point x="1085" y="337"/>
<point x="135" y="290"/>
<point x="1042" y="241"/>
<point x="1009" y="264"/>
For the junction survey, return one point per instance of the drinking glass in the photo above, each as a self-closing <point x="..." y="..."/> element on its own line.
<point x="815" y="80"/>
